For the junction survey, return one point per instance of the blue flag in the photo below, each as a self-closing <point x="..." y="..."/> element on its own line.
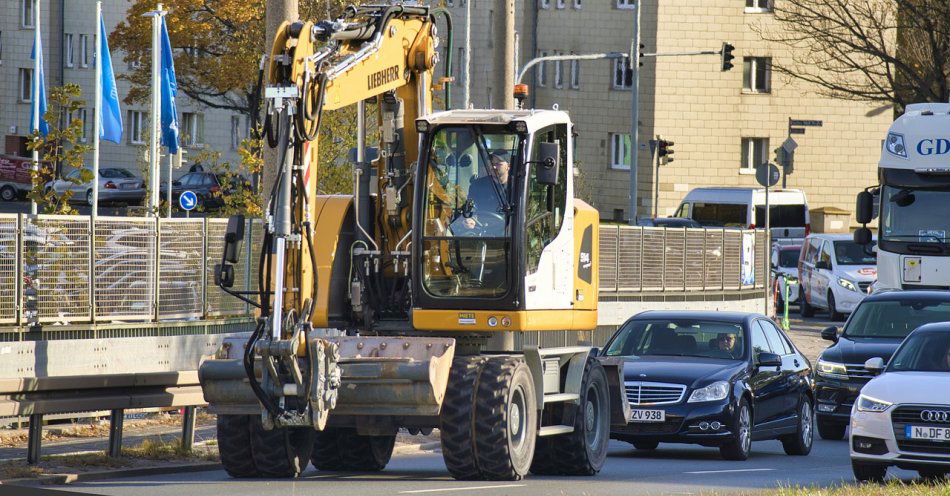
<point x="44" y="126"/>
<point x="169" y="88"/>
<point x="110" y="117"/>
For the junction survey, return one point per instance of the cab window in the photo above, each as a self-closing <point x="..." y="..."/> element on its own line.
<point x="544" y="211"/>
<point x="721" y="214"/>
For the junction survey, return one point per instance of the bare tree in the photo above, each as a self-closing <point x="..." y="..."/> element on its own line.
<point x="890" y="51"/>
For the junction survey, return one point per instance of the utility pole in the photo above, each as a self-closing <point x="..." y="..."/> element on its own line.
<point x="277" y="11"/>
<point x="466" y="75"/>
<point x="504" y="55"/>
<point x="634" y="61"/>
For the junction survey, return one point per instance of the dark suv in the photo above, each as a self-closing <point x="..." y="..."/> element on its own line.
<point x="875" y="329"/>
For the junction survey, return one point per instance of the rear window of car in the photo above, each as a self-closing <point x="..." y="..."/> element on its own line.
<point x="721" y="214"/>
<point x="788" y="258"/>
<point x="781" y="216"/>
<point x="116" y="174"/>
<point x="894" y="319"/>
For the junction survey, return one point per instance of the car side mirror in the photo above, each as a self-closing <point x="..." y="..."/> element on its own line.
<point x="874" y="365"/>
<point x="233" y="237"/>
<point x="862" y="236"/>
<point x="864" y="208"/>
<point x="546" y="169"/>
<point x="830" y="334"/>
<point x="768" y="360"/>
<point x="224" y="275"/>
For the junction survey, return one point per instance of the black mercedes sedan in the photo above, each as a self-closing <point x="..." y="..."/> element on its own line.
<point x="716" y="379"/>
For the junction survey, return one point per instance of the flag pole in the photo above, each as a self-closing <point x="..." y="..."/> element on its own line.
<point x="36" y="94"/>
<point x="154" y="172"/>
<point x="97" y="118"/>
<point x="168" y="194"/>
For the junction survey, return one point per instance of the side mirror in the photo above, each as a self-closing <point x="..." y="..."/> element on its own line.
<point x="595" y="351"/>
<point x="864" y="208"/>
<point x="830" y="334"/>
<point x="224" y="275"/>
<point x="874" y="365"/>
<point x="862" y="236"/>
<point x="546" y="168"/>
<point x="233" y="237"/>
<point x="768" y="360"/>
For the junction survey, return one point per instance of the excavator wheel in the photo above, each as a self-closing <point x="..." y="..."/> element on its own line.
<point x="281" y="452"/>
<point x="234" y="445"/>
<point x="506" y="419"/>
<point x="584" y="451"/>
<point x="457" y="419"/>
<point x="342" y="449"/>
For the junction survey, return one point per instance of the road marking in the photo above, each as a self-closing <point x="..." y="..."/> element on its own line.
<point x="470" y="488"/>
<point x="730" y="471"/>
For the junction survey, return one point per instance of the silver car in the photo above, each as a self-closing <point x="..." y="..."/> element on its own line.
<point x="115" y="184"/>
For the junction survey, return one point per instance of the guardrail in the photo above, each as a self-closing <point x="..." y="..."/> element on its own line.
<point x="657" y="259"/>
<point x="70" y="270"/>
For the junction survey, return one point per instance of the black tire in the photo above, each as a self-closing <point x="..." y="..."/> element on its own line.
<point x="799" y="444"/>
<point x="506" y="419"/>
<point x="8" y="193"/>
<point x="803" y="306"/>
<point x="280" y="452"/>
<point x="868" y="472"/>
<point x="833" y="313"/>
<point x="234" y="445"/>
<point x="336" y="449"/>
<point x="739" y="447"/>
<point x="832" y="431"/>
<point x="935" y="474"/>
<point x="646" y="445"/>
<point x="457" y="419"/>
<point x="583" y="451"/>
<point x="89" y="197"/>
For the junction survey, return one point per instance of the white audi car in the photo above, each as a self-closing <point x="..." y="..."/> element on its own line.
<point x="902" y="416"/>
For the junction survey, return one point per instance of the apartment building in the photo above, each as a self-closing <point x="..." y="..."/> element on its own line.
<point x="722" y="123"/>
<point x="69" y="29"/>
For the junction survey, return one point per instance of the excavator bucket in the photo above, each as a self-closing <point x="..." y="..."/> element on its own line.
<point x="392" y="375"/>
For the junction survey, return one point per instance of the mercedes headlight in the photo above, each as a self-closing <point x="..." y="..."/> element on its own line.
<point x="846" y="284"/>
<point x="869" y="404"/>
<point x="713" y="392"/>
<point x="832" y="370"/>
<point x="895" y="145"/>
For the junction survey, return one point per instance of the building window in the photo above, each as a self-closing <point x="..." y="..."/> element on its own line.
<point x="558" y="74"/>
<point x="577" y="4"/>
<point x="758" y="6"/>
<point x="575" y="74"/>
<point x="450" y="3"/>
<point x="68" y="49"/>
<point x="26" y="13"/>
<point x="137" y="123"/>
<point x="561" y="4"/>
<point x="757" y="74"/>
<point x="626" y="4"/>
<point x="623" y="77"/>
<point x="620" y="151"/>
<point x="192" y="128"/>
<point x="544" y="4"/>
<point x="460" y="64"/>
<point x="84" y="50"/>
<point x="754" y="152"/>
<point x="491" y="27"/>
<point x="26" y="85"/>
<point x="1" y="47"/>
<point x="541" y="73"/>
<point x="236" y="132"/>
<point x="80" y="115"/>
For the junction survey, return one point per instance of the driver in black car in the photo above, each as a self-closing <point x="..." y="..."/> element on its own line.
<point x="726" y="342"/>
<point x="484" y="194"/>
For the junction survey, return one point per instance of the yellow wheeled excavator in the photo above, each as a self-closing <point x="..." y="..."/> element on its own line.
<point x="417" y="302"/>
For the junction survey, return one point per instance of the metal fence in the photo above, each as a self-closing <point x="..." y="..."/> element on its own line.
<point x="58" y="269"/>
<point x="657" y="259"/>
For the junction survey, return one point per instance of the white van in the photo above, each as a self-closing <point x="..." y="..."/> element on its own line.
<point x="744" y="208"/>
<point x="834" y="274"/>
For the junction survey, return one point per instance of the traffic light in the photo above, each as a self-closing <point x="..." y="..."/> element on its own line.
<point x="665" y="151"/>
<point x="727" y="56"/>
<point x="779" y="156"/>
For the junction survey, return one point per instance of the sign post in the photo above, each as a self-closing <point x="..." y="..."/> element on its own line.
<point x="767" y="175"/>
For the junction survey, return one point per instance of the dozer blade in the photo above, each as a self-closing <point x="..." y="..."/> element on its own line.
<point x="393" y="375"/>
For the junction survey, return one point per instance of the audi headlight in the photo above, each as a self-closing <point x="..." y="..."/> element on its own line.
<point x="832" y="370"/>
<point x="713" y="392"/>
<point x="846" y="284"/>
<point x="895" y="144"/>
<point x="869" y="404"/>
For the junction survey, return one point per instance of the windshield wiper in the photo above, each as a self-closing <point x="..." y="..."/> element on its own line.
<point x="938" y="239"/>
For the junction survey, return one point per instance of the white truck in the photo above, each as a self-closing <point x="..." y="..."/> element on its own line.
<point x="914" y="201"/>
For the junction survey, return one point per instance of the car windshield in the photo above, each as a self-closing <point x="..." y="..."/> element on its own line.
<point x="788" y="258"/>
<point x="116" y="174"/>
<point x="894" y="319"/>
<point x="907" y="215"/>
<point x="923" y="352"/>
<point x="687" y="337"/>
<point x="850" y="253"/>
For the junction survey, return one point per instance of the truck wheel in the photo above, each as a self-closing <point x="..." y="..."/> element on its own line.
<point x="234" y="445"/>
<point x="8" y="193"/>
<point x="281" y="452"/>
<point x="343" y="449"/>
<point x="457" y="419"/>
<point x="806" y="309"/>
<point x="584" y="451"/>
<point x="506" y="419"/>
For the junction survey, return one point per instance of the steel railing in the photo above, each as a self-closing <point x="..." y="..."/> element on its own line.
<point x="57" y="269"/>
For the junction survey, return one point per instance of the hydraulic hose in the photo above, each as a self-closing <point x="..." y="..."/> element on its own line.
<point x="448" y="53"/>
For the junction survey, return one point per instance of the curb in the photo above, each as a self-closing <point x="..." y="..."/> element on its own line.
<point x="69" y="478"/>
